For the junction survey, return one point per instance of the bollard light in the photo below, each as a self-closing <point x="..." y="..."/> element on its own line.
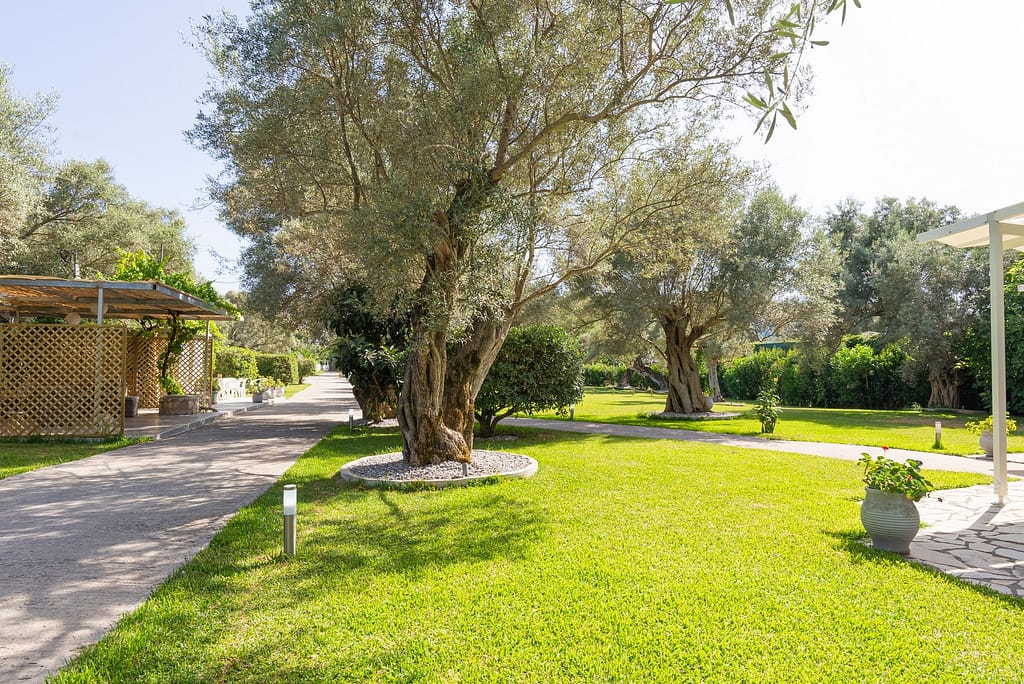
<point x="938" y="432"/>
<point x="572" y="411"/>
<point x="290" y="506"/>
<point x="351" y="419"/>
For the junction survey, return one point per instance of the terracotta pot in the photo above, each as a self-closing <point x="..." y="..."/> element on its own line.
<point x="891" y="520"/>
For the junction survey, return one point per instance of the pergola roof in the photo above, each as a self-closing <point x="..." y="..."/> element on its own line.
<point x="43" y="296"/>
<point x="974" y="231"/>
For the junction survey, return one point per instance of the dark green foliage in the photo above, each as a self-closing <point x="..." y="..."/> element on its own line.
<point x="744" y="377"/>
<point x="283" y="367"/>
<point x="861" y="374"/>
<point x="539" y="367"/>
<point x="236" y="362"/>
<point x="370" y="349"/>
<point x="307" y="367"/>
<point x="767" y="410"/>
<point x="977" y="349"/>
<point x="603" y="374"/>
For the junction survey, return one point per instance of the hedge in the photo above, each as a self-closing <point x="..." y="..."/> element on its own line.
<point x="283" y="367"/>
<point x="235" y="362"/>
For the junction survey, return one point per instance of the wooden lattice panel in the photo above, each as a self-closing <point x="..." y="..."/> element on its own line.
<point x="61" y="380"/>
<point x="143" y="374"/>
<point x="192" y="370"/>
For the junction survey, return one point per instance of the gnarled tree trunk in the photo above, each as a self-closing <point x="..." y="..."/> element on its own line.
<point x="684" y="389"/>
<point x="425" y="437"/>
<point x="945" y="390"/>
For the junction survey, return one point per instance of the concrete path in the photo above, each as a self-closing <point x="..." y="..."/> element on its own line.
<point x="849" y="452"/>
<point x="85" y="542"/>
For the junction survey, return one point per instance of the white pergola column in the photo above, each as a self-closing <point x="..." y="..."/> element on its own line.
<point x="998" y="341"/>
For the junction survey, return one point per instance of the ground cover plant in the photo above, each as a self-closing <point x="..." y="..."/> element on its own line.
<point x="621" y="560"/>
<point x="908" y="429"/>
<point x="20" y="456"/>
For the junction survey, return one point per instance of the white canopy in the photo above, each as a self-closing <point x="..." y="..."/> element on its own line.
<point x="1000" y="230"/>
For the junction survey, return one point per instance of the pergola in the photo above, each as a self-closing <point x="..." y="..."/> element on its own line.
<point x="66" y="379"/>
<point x="1000" y="230"/>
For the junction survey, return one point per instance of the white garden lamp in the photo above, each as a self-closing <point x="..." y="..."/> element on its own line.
<point x="1000" y="230"/>
<point x="290" y="509"/>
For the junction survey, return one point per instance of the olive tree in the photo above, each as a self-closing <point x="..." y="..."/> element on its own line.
<point x="469" y="155"/>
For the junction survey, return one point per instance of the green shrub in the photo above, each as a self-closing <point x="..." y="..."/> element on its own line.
<point x="539" y="367"/>
<point x="745" y="377"/>
<point x="307" y="367"/>
<point x="283" y="367"/>
<point x="603" y="374"/>
<point x="236" y="362"/>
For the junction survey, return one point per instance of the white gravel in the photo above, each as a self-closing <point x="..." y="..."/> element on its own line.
<point x="391" y="467"/>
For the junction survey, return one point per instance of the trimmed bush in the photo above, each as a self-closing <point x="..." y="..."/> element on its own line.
<point x="307" y="367"/>
<point x="235" y="362"/>
<point x="745" y="377"/>
<point x="283" y="367"/>
<point x="602" y="374"/>
<point x="539" y="367"/>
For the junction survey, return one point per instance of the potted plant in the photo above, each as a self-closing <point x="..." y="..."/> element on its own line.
<point x="260" y="390"/>
<point x="215" y="392"/>
<point x="889" y="512"/>
<point x="174" y="401"/>
<point x="983" y="428"/>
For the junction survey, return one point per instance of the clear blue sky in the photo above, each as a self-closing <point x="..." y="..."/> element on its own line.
<point x="912" y="98"/>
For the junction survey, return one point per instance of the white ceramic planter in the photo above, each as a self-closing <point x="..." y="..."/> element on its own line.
<point x="891" y="520"/>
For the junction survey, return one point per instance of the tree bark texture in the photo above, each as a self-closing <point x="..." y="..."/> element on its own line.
<point x="684" y="388"/>
<point x="425" y="437"/>
<point x="466" y="370"/>
<point x="713" y="385"/>
<point x="945" y="390"/>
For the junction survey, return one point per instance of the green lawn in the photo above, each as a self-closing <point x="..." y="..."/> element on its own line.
<point x="20" y="456"/>
<point x="291" y="390"/>
<point x="621" y="560"/>
<point x="899" y="429"/>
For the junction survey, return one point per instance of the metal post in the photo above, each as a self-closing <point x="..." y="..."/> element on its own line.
<point x="290" y="508"/>
<point x="998" y="341"/>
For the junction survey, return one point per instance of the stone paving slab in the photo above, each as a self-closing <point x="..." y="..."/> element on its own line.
<point x="87" y="541"/>
<point x="969" y="536"/>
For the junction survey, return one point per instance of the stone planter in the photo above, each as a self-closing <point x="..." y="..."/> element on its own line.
<point x="179" y="404"/>
<point x="214" y="396"/>
<point x="257" y="397"/>
<point x="985" y="441"/>
<point x="891" y="520"/>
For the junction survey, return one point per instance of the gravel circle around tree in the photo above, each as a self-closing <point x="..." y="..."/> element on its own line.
<point x="709" y="415"/>
<point x="390" y="470"/>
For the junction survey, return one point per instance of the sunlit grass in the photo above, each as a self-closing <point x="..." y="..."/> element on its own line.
<point x="621" y="560"/>
<point x="22" y="456"/>
<point x="899" y="429"/>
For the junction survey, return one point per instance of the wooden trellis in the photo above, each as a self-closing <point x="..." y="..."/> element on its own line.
<point x="192" y="370"/>
<point x="60" y="380"/>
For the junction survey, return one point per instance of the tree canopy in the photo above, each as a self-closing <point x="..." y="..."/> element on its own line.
<point x="471" y="156"/>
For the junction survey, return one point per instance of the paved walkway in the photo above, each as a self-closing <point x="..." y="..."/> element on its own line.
<point x="85" y="542"/>
<point x="966" y="533"/>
